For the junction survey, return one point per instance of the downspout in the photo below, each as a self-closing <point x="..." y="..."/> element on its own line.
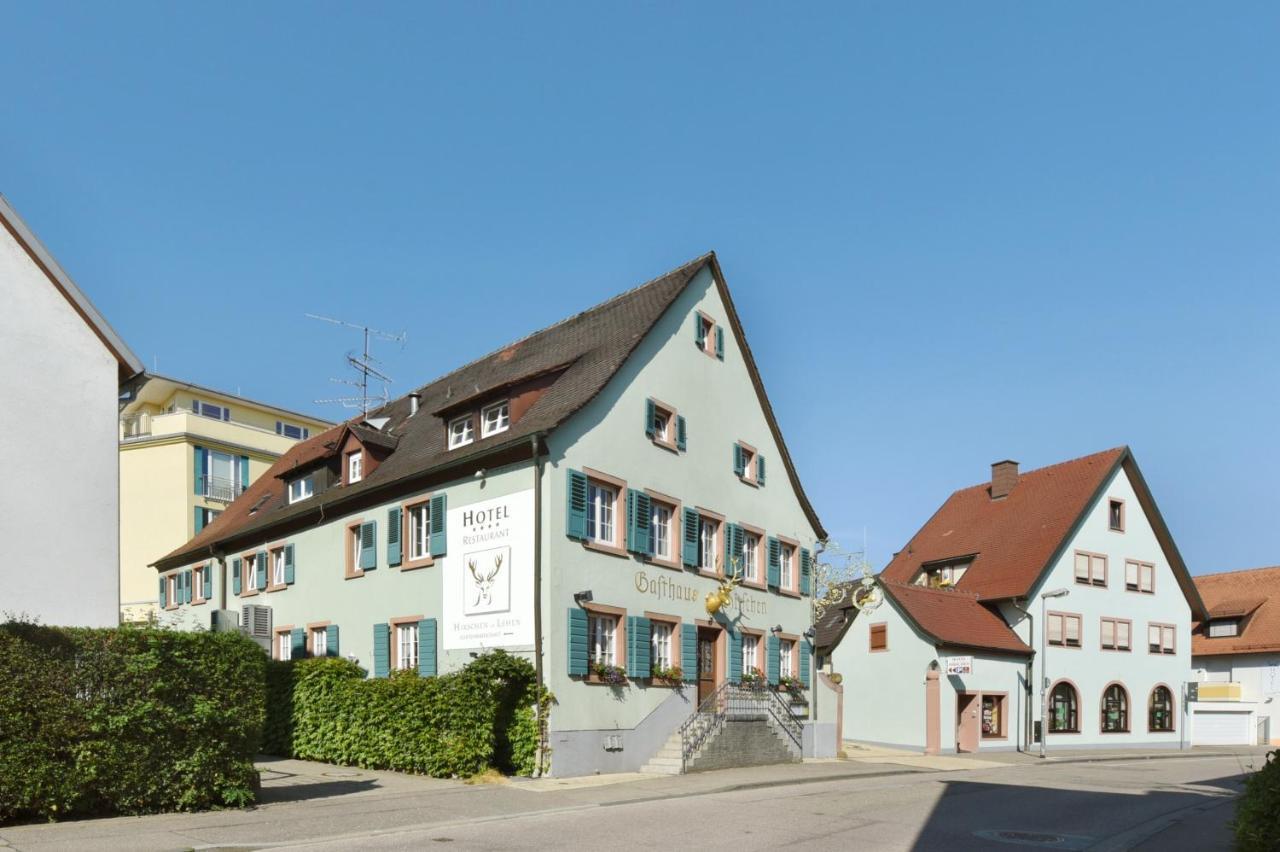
<point x="1031" y="663"/>
<point x="537" y="599"/>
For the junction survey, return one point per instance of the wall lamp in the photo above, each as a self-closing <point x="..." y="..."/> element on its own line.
<point x="583" y="597"/>
<point x="777" y="628"/>
<point x="811" y="633"/>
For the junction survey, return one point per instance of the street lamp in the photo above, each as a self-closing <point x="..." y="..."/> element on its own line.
<point x="1044" y="674"/>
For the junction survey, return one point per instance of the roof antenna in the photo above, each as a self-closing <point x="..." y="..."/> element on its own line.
<point x="364" y="365"/>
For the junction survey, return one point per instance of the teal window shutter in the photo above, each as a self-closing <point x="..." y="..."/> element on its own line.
<point x="187" y="593"/>
<point x="331" y="640"/>
<point x="288" y="565"/>
<point x="689" y="652"/>
<point x="244" y="472"/>
<point x="733" y="541"/>
<point x="772" y="662"/>
<point x="575" y="520"/>
<point x="649" y="412"/>
<point x="207" y="592"/>
<point x="427" y="666"/>
<point x="699" y="331"/>
<point x="577" y="641"/>
<point x="775" y="562"/>
<point x="735" y="656"/>
<point x="759" y="469"/>
<point x="806" y="649"/>
<point x="438" y="542"/>
<point x="739" y="464"/>
<point x="638" y="650"/>
<point x="235" y="576"/>
<point x="369" y="545"/>
<point x="297" y="643"/>
<point x="394" y="527"/>
<point x="381" y="650"/>
<point x="690" y="538"/>
<point x="199" y="519"/>
<point x="639" y="519"/>
<point x="806" y="572"/>
<point x="682" y="442"/>
<point x="200" y="455"/>
<point x="720" y="342"/>
<point x="163" y="597"/>
<point x="262" y="569"/>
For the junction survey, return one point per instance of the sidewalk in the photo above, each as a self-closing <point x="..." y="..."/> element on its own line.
<point x="869" y="754"/>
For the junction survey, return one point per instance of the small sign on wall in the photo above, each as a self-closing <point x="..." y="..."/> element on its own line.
<point x="959" y="665"/>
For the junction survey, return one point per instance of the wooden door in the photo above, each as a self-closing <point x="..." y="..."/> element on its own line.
<point x="967" y="723"/>
<point x="706" y="663"/>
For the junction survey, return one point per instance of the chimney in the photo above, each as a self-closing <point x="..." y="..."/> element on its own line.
<point x="1004" y="475"/>
<point x="415" y="399"/>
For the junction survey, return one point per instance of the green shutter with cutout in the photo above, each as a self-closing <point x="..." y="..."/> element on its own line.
<point x="369" y="545"/>
<point x="739" y="463"/>
<point x="689" y="543"/>
<point x="649" y="412"/>
<point x="438" y="541"/>
<point x="263" y="560"/>
<point x="806" y="650"/>
<point x="577" y="627"/>
<point x="199" y="519"/>
<point x="639" y="652"/>
<point x="735" y="655"/>
<point x="188" y="592"/>
<point x="639" y="521"/>
<point x="331" y="641"/>
<point x="164" y="599"/>
<point x="297" y="643"/>
<point x="200" y="455"/>
<point x="394" y="527"/>
<point x="720" y="342"/>
<point x="381" y="650"/>
<point x="207" y="591"/>
<point x="682" y="439"/>
<point x="288" y="565"/>
<point x="575" y="518"/>
<point x="775" y="562"/>
<point x="759" y="469"/>
<point x="806" y="572"/>
<point x="699" y="331"/>
<point x="235" y="576"/>
<point x="772" y="662"/>
<point x="427" y="666"/>
<point x="689" y="652"/>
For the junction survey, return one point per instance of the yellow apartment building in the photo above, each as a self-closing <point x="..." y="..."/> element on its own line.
<point x="187" y="451"/>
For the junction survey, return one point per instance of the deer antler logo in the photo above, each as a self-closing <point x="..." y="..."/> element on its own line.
<point x="484" y="580"/>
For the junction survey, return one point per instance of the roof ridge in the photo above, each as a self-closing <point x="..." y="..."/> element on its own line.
<point x="1049" y="467"/>
<point x="1199" y="577"/>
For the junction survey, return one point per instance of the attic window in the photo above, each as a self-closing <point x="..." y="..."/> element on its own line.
<point x="355" y="467"/>
<point x="496" y="418"/>
<point x="461" y="432"/>
<point x="301" y="488"/>
<point x="1116" y="515"/>
<point x="941" y="575"/>
<point x="1224" y="627"/>
<point x="208" y="409"/>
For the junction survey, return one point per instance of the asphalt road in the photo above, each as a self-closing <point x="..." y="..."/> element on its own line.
<point x="1144" y="804"/>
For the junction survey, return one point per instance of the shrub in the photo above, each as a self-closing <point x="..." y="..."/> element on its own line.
<point x="455" y="725"/>
<point x="1257" y="822"/>
<point x="126" y="721"/>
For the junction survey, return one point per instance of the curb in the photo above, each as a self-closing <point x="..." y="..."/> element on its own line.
<point x="778" y="782"/>
<point x="1140" y="756"/>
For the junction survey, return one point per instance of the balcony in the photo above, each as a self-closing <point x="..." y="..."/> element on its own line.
<point x="218" y="488"/>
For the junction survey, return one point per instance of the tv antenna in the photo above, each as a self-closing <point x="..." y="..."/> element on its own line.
<point x="364" y="364"/>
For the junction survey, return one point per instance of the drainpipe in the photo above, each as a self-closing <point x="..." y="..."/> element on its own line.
<point x="1031" y="670"/>
<point x="537" y="595"/>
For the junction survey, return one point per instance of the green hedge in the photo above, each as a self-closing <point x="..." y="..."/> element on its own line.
<point x="1257" y="823"/>
<point x="126" y="721"/>
<point x="455" y="725"/>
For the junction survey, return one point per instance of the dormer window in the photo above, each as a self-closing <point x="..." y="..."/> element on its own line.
<point x="942" y="575"/>
<point x="1220" y="628"/>
<point x="355" y="467"/>
<point x="461" y="432"/>
<point x="496" y="418"/>
<point x="302" y="488"/>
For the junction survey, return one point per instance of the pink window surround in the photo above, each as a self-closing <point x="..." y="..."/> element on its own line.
<point x="1115" y="635"/>
<point x="1114" y="502"/>
<point x="1137" y="575"/>
<point x="1079" y="708"/>
<point x="1064" y="620"/>
<point x="616" y="547"/>
<point x="1091" y="568"/>
<point x="1166" y="632"/>
<point x="675" y="539"/>
<point x="1173" y="713"/>
<point x="1128" y="708"/>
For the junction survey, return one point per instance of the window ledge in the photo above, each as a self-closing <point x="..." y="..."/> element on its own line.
<point x="414" y="564"/>
<point x="788" y="593"/>
<point x="200" y="602"/>
<point x="611" y="549"/>
<point x="748" y="480"/>
<point x="596" y="680"/>
<point x="354" y="575"/>
<point x="250" y="593"/>
<point x="664" y="563"/>
<point x="710" y="575"/>
<point x="754" y="584"/>
<point x="277" y="588"/>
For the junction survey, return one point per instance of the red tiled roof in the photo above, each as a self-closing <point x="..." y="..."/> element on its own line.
<point x="1014" y="537"/>
<point x="954" y="617"/>
<point x="1253" y="595"/>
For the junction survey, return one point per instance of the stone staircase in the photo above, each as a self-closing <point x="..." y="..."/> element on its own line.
<point x="736" y="743"/>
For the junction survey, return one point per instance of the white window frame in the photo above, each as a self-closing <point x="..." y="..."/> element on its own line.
<point x="250" y="565"/>
<point x="284" y="645"/>
<point x="355" y="467"/>
<point x="751" y="652"/>
<point x="503" y="421"/>
<point x="199" y="406"/>
<point x="751" y="556"/>
<point x="319" y="641"/>
<point x="302" y="488"/>
<point x="282" y="429"/>
<point x="602" y="637"/>
<point x="197" y="583"/>
<point x="420" y="530"/>
<point x="660" y="638"/>
<point x="277" y="567"/>
<point x="786" y="650"/>
<point x="662" y="424"/>
<point x="655" y="524"/>
<point x="786" y="566"/>
<point x="602" y="514"/>
<point x="1221" y="628"/>
<point x="407" y="645"/>
<point x="462" y="431"/>
<point x="708" y="536"/>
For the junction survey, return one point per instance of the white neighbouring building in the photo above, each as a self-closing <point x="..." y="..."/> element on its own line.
<point x="66" y="370"/>
<point x="1236" y="656"/>
<point x="969" y="630"/>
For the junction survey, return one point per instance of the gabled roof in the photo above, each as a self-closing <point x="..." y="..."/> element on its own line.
<point x="1253" y="596"/>
<point x="129" y="365"/>
<point x="1019" y="537"/>
<point x="577" y="356"/>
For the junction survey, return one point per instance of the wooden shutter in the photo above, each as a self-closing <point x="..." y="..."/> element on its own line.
<point x="297" y="643"/>
<point x="188" y="592"/>
<point x="261" y="570"/>
<point x="689" y="652"/>
<point x="759" y="469"/>
<point x="235" y="576"/>
<point x="739" y="465"/>
<point x="720" y="342"/>
<point x="699" y="331"/>
<point x="288" y="565"/>
<point x="207" y="592"/>
<point x="649" y="412"/>
<point x="806" y="572"/>
<point x="772" y="662"/>
<point x="427" y="666"/>
<point x="331" y="640"/>
<point x="638" y="650"/>
<point x="879" y="637"/>
<point x="199" y="519"/>
<point x="806" y="651"/>
<point x="164" y="598"/>
<point x="438" y="542"/>
<point x="730" y="549"/>
<point x="381" y="650"/>
<point x="690" y="539"/>
<point x="639" y="520"/>
<point x="775" y="562"/>
<point x="200" y="455"/>
<point x="394" y="526"/>
<point x="682" y="442"/>
<point x="735" y="655"/>
<point x="369" y="545"/>
<point x="577" y="627"/>
<point x="575" y="522"/>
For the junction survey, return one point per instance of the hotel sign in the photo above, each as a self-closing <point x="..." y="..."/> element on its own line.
<point x="488" y="575"/>
<point x="959" y="665"/>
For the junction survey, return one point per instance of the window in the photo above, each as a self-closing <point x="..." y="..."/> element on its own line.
<point x="1064" y="630"/>
<point x="750" y="653"/>
<point x="221" y="475"/>
<point x="744" y="462"/>
<point x="251" y="573"/>
<point x="601" y="501"/>
<point x="407" y="645"/>
<point x="288" y="430"/>
<point x="706" y="328"/>
<point x="420" y="531"/>
<point x="707" y="529"/>
<point x="603" y="630"/>
<point x="1115" y="710"/>
<point x="786" y="650"/>
<point x="461" y="432"/>
<point x="353" y="550"/>
<point x="1221" y="627"/>
<point x="1140" y="577"/>
<point x="284" y="645"/>
<point x="1160" y="710"/>
<point x="355" y="467"/>
<point x="1064" y="710"/>
<point x="1115" y="515"/>
<point x="302" y="488"/>
<point x="171" y="590"/>
<point x="751" y="557"/>
<point x="319" y="641"/>
<point x="277" y="567"/>
<point x="1115" y="634"/>
<point x="1091" y="569"/>
<point x="660" y="530"/>
<point x="993" y="716"/>
<point x="204" y="517"/>
<point x="787" y="566"/>
<point x="661" y="425"/>
<point x="879" y="637"/>
<point x="208" y="409"/>
<point x="1160" y="639"/>
<point x="197" y="583"/>
<point x="660" y="633"/>
<point x="943" y="575"/>
<point x="495" y="419"/>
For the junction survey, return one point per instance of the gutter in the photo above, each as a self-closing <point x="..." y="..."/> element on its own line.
<point x="534" y="446"/>
<point x="1031" y="672"/>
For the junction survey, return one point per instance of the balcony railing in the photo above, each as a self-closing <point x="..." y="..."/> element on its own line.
<point x="219" y="488"/>
<point x="135" y="426"/>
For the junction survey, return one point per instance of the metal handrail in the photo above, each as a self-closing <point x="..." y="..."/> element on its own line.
<point x="737" y="701"/>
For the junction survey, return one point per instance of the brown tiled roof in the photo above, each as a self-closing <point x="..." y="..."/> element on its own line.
<point x="582" y="353"/>
<point x="1252" y="595"/>
<point x="954" y="617"/>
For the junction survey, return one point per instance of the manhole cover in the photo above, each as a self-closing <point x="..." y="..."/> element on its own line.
<point x="1043" y="839"/>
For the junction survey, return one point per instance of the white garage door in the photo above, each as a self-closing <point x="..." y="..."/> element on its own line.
<point x="1218" y="727"/>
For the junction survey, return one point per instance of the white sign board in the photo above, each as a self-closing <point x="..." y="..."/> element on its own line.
<point x="959" y="665"/>
<point x="488" y="574"/>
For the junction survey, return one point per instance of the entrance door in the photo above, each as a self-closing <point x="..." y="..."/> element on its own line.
<point x="966" y="722"/>
<point x="706" y="662"/>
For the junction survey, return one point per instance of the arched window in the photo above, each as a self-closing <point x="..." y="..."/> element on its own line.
<point x="1064" y="716"/>
<point x="1115" y="710"/>
<point x="1160" y="710"/>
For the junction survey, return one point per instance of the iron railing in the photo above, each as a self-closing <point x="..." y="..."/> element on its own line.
<point x="219" y="488"/>
<point x="737" y="702"/>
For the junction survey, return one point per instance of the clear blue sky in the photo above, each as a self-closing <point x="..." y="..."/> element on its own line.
<point x="956" y="232"/>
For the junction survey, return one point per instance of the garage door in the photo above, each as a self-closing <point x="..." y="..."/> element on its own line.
<point x="1217" y="727"/>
